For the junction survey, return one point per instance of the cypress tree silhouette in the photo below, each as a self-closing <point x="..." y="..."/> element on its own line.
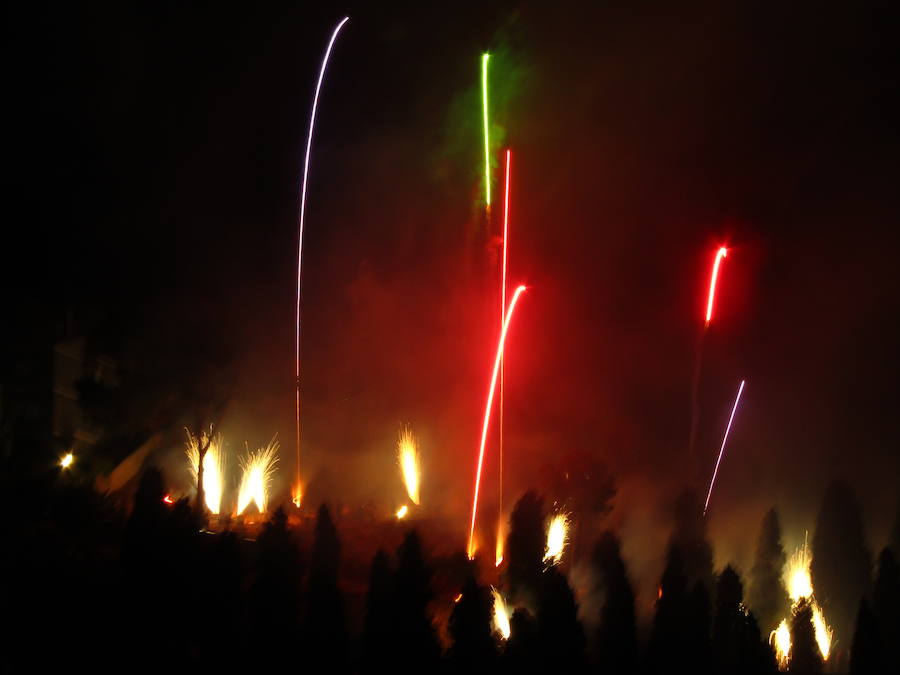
<point x="865" y="654"/>
<point x="325" y="623"/>
<point x="474" y="649"/>
<point x="416" y="648"/>
<point x="521" y="654"/>
<point x="378" y="637"/>
<point x="275" y="596"/>
<point x="767" y="595"/>
<point x="667" y="649"/>
<point x="525" y="549"/>
<point x="698" y="629"/>
<point x="805" y="656"/>
<point x="689" y="535"/>
<point x="886" y="608"/>
<point x="737" y="647"/>
<point x="616" y="638"/>
<point x="841" y="562"/>
<point x="560" y="634"/>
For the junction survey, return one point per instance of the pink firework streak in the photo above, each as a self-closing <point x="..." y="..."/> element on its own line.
<point x="297" y="494"/>
<point x="487" y="413"/>
<point x="722" y="449"/>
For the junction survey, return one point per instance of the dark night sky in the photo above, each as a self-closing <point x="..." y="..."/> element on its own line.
<point x="158" y="155"/>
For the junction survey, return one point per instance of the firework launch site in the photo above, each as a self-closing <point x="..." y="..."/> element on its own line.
<point x="509" y="337"/>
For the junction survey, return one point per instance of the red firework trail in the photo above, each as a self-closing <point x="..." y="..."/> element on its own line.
<point x="499" y="546"/>
<point x="722" y="449"/>
<point x="312" y="122"/>
<point x="721" y="253"/>
<point x="487" y="412"/>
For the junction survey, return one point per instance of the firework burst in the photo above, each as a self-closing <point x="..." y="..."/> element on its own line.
<point x="257" y="470"/>
<point x="213" y="467"/>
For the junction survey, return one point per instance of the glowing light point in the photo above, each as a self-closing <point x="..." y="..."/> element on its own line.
<point x="168" y="499"/>
<point x="402" y="511"/>
<point x="67" y="460"/>
<point x="721" y="253"/>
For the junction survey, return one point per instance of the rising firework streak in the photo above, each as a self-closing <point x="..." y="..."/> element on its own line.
<point x="722" y="449"/>
<point x="498" y="555"/>
<point x="721" y="253"/>
<point x="484" y="114"/>
<point x="487" y="414"/>
<point x="296" y="492"/>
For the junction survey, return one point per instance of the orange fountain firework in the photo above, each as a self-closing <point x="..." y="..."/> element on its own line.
<point x="408" y="458"/>
<point x="213" y="467"/>
<point x="557" y="538"/>
<point x="501" y="614"/>
<point x="487" y="416"/>
<point x="257" y="470"/>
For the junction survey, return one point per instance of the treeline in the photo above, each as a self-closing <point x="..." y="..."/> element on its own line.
<point x="158" y="594"/>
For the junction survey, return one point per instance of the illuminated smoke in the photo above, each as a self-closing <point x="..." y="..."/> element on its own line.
<point x="213" y="467"/>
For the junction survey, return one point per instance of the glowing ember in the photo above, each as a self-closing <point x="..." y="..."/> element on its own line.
<point x="257" y="470"/>
<point x="168" y="499"/>
<point x="213" y="467"/>
<point x="297" y="494"/>
<point x="557" y="538"/>
<point x="501" y="614"/>
<point x="780" y="639"/>
<point x="67" y="460"/>
<point x="408" y="457"/>
<point x="457" y="598"/>
<point x="721" y="253"/>
<point x="402" y="511"/>
<point x="487" y="415"/>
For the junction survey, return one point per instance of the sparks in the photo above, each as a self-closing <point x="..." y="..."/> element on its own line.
<point x="168" y="499"/>
<point x="487" y="144"/>
<point x="487" y="415"/>
<point x="457" y="598"/>
<point x="780" y="639"/>
<point x="296" y="491"/>
<point x="797" y="578"/>
<point x="721" y="253"/>
<point x="402" y="511"/>
<point x="213" y="467"/>
<point x="722" y="449"/>
<point x="257" y="470"/>
<point x="501" y="614"/>
<point x="557" y="538"/>
<point x="67" y="460"/>
<point x="408" y="458"/>
<point x="822" y="632"/>
<point x="498" y="552"/>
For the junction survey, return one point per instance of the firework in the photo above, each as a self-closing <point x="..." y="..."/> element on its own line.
<point x="557" y="538"/>
<point x="797" y="578"/>
<point x="722" y="449"/>
<point x="257" y="469"/>
<point x="487" y="143"/>
<point x="780" y="639"/>
<point x="487" y="414"/>
<point x="408" y="457"/>
<point x="401" y="512"/>
<point x="501" y="614"/>
<point x="297" y="492"/>
<point x="498" y="553"/>
<point x="67" y="460"/>
<point x="721" y="253"/>
<point x="821" y="630"/>
<point x="213" y="467"/>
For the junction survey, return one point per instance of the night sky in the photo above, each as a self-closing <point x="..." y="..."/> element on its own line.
<point x="157" y="155"/>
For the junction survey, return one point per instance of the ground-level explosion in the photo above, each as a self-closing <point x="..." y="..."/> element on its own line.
<point x="408" y="458"/>
<point x="557" y="538"/>
<point x="501" y="614"/>
<point x="213" y="467"/>
<point x="257" y="470"/>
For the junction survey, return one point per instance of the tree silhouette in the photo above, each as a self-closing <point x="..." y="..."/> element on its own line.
<point x="525" y="549"/>
<point x="736" y="645"/>
<point x="616" y="638"/>
<point x="865" y="654"/>
<point x="698" y="629"/>
<point x="378" y="637"/>
<point x="805" y="656"/>
<point x="560" y="634"/>
<point x="667" y="648"/>
<point x="886" y="608"/>
<point x="767" y="595"/>
<point x="841" y="563"/>
<point x="474" y="648"/>
<point x="325" y="623"/>
<point x="689" y="535"/>
<point x="416" y="648"/>
<point x="521" y="652"/>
